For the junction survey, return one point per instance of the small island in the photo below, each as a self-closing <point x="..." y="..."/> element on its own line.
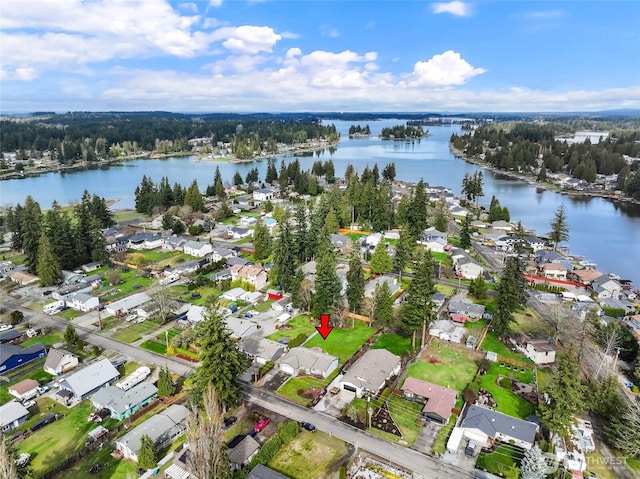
<point x="357" y="131"/>
<point x="403" y="132"/>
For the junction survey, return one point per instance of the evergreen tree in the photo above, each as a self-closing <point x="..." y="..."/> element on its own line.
<point x="165" y="194"/>
<point x="167" y="221"/>
<point x="331" y="224"/>
<point x="418" y="309"/>
<point x="404" y="251"/>
<point x="300" y="233"/>
<point x="98" y="243"/>
<point x="465" y="233"/>
<point x="478" y="288"/>
<point x="534" y="464"/>
<point x="237" y="179"/>
<point x="380" y="261"/>
<point x="623" y="430"/>
<point x="283" y="267"/>
<point x="57" y="225"/>
<point x="355" y="281"/>
<point x="440" y="221"/>
<point x="14" y="217"/>
<point x="283" y="178"/>
<point x="559" y="227"/>
<point x="82" y="229"/>
<point x="417" y="219"/>
<point x="193" y="197"/>
<point x="218" y="185"/>
<point x="383" y="300"/>
<point x="101" y="212"/>
<point x="147" y="454"/>
<point x="30" y="228"/>
<point x="221" y="362"/>
<point x="71" y="335"/>
<point x="49" y="270"/>
<point x="272" y="173"/>
<point x="261" y="241"/>
<point x="389" y="172"/>
<point x="326" y="299"/>
<point x="565" y="392"/>
<point x="166" y="387"/>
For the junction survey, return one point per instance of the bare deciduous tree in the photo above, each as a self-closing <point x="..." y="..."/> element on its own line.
<point x="560" y="321"/>
<point x="207" y="439"/>
<point x="7" y="461"/>
<point x="164" y="300"/>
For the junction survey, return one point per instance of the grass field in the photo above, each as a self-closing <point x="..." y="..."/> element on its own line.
<point x="111" y="467"/>
<point x="299" y="325"/>
<point x="292" y="386"/>
<point x="499" y="461"/>
<point x="57" y="440"/>
<point x="395" y="343"/>
<point x="309" y="455"/>
<point x="491" y="343"/>
<point x="134" y="332"/>
<point x="158" y="254"/>
<point x="343" y="343"/>
<point x="38" y="374"/>
<point x="128" y="215"/>
<point x="440" y="444"/>
<point x="154" y="346"/>
<point x="597" y="464"/>
<point x="47" y="339"/>
<point x="508" y="402"/>
<point x="450" y="367"/>
<point x="445" y="289"/>
<point x="405" y="413"/>
<point x="70" y="313"/>
<point x="264" y="306"/>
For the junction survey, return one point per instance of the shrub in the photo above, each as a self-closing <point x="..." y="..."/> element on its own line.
<point x="298" y="340"/>
<point x="267" y="452"/>
<point x="288" y="431"/>
<point x="268" y="366"/>
<point x="505" y="383"/>
<point x="614" y="312"/>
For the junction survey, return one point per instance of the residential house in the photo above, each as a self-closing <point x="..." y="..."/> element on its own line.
<point x="24" y="390"/>
<point x="240" y="328"/>
<point x="438" y="299"/>
<point x="458" y="211"/>
<point x="94" y="265"/>
<point x="369" y="374"/>
<point x="218" y="254"/>
<point x="82" y="302"/>
<point x="187" y="267"/>
<point x="89" y="379"/>
<point x="544" y="256"/>
<point x="239" y="233"/>
<point x="263" y="194"/>
<point x="263" y="472"/>
<point x="144" y="241"/>
<point x="60" y="361"/>
<point x="465" y="266"/>
<point x="253" y="274"/>
<point x="127" y="304"/>
<point x="242" y="454"/>
<point x="224" y="274"/>
<point x="553" y="270"/>
<point x="262" y="350"/>
<point x="247" y="221"/>
<point x="535" y="243"/>
<point x="439" y="400"/>
<point x="174" y="243"/>
<point x="466" y="307"/>
<point x="606" y="288"/>
<point x="12" y="415"/>
<point x="64" y="292"/>
<point x="308" y="361"/>
<point x="488" y="427"/>
<point x="195" y="314"/>
<point x="197" y="248"/>
<point x="281" y="304"/>
<point x="12" y="356"/>
<point x="372" y="240"/>
<point x="123" y="404"/>
<point x="9" y="336"/>
<point x="392" y="283"/>
<point x="23" y="278"/>
<point x="501" y="225"/>
<point x="163" y="428"/>
<point x="232" y="261"/>
<point x="233" y="294"/>
<point x="447" y="331"/>
<point x="252" y="297"/>
<point x="341" y="243"/>
<point x="541" y="351"/>
<point x="435" y="244"/>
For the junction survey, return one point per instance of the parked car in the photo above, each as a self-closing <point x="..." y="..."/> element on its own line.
<point x="42" y="389"/>
<point x="253" y="312"/>
<point x="131" y="317"/>
<point x="29" y="404"/>
<point x="248" y="315"/>
<point x="5" y="327"/>
<point x="261" y="424"/>
<point x="308" y="426"/>
<point x="470" y="450"/>
<point x="230" y="421"/>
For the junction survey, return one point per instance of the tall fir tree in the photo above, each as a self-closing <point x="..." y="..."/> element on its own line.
<point x="404" y="251"/>
<point x="166" y="386"/>
<point x="380" y="260"/>
<point x="534" y="464"/>
<point x="418" y="310"/>
<point x="559" y="227"/>
<point x="98" y="243"/>
<point x="147" y="453"/>
<point x="218" y="185"/>
<point x="193" y="197"/>
<point x="283" y="267"/>
<point x="49" y="270"/>
<point x="465" y="233"/>
<point x="237" y="179"/>
<point x="82" y="229"/>
<point x="326" y="299"/>
<point x="221" y="362"/>
<point x="300" y="233"/>
<point x="417" y="219"/>
<point x="383" y="301"/>
<point x="355" y="280"/>
<point x="58" y="226"/>
<point x="30" y="227"/>
<point x="261" y="241"/>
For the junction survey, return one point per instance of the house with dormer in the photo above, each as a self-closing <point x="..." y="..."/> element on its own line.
<point x="606" y="288"/>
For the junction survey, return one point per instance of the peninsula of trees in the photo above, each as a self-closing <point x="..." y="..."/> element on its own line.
<point x="403" y="132"/>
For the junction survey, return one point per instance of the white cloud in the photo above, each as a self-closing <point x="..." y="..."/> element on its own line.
<point x="188" y="6"/>
<point x="248" y="38"/>
<point x="215" y="3"/>
<point x="444" y="70"/>
<point x="330" y="32"/>
<point x="459" y="9"/>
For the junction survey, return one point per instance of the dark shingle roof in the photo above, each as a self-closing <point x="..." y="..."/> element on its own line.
<point x="492" y="422"/>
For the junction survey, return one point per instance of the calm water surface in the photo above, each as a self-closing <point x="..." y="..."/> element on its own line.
<point x="604" y="232"/>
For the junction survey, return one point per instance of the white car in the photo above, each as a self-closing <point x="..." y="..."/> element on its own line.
<point x="29" y="404"/>
<point x="5" y="327"/>
<point x="131" y="317"/>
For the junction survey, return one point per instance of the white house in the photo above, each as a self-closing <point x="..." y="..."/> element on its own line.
<point x="370" y="287"/>
<point x="606" y="288"/>
<point x="488" y="427"/>
<point x="89" y="379"/>
<point x="197" y="248"/>
<point x="447" y="331"/>
<point x="24" y="390"/>
<point x="233" y="294"/>
<point x="262" y="350"/>
<point x="466" y="267"/>
<point x="239" y="233"/>
<point x="173" y="243"/>
<point x="253" y="274"/>
<point x="240" y="328"/>
<point x="308" y="361"/>
<point x="435" y="244"/>
<point x="539" y="350"/>
<point x="370" y="373"/>
<point x="252" y="297"/>
<point x="82" y="302"/>
<point x="12" y="415"/>
<point x="263" y="194"/>
<point x="60" y="361"/>
<point x="553" y="270"/>
<point x="535" y="243"/>
<point x="248" y="221"/>
<point x="127" y="304"/>
<point x="218" y="254"/>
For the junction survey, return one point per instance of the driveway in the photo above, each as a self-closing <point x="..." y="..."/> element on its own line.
<point x="333" y="404"/>
<point x="426" y="438"/>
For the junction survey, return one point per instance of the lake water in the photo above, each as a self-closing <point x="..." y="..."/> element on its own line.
<point x="604" y="232"/>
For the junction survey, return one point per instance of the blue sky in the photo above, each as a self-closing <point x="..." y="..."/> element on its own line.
<point x="307" y="55"/>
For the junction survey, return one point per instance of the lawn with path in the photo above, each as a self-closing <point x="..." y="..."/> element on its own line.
<point x="309" y="455"/>
<point x="47" y="339"/>
<point x="294" y="385"/>
<point x="343" y="343"/>
<point x="444" y="365"/>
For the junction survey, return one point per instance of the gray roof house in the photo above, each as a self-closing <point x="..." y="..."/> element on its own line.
<point x="60" y="361"/>
<point x="123" y="404"/>
<point x="12" y="415"/>
<point x="487" y="426"/>
<point x="369" y="373"/>
<point x="341" y="243"/>
<point x="128" y="303"/>
<point x="88" y="380"/>
<point x="242" y="454"/>
<point x="262" y="350"/>
<point x="466" y="307"/>
<point x="263" y="472"/>
<point x="310" y="361"/>
<point x="162" y="428"/>
<point x="370" y="287"/>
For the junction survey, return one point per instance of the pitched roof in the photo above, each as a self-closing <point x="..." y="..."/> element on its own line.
<point x="492" y="422"/>
<point x="120" y="401"/>
<point x="265" y="348"/>
<point x="24" y="386"/>
<point x="10" y="335"/>
<point x="159" y="428"/>
<point x="9" y="350"/>
<point x="197" y="245"/>
<point x="263" y="472"/>
<point x="243" y="451"/>
<point x="10" y="412"/>
<point x="307" y="359"/>
<point x="441" y="400"/>
<point x="372" y="369"/>
<point x="55" y="356"/>
<point x="90" y="378"/>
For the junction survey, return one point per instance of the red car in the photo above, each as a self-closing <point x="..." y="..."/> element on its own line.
<point x="261" y="424"/>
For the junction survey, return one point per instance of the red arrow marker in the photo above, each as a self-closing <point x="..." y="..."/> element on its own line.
<point x="324" y="329"/>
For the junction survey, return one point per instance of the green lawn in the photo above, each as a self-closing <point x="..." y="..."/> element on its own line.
<point x="597" y="465"/>
<point x="405" y="413"/>
<point x="395" y="343"/>
<point x="158" y="254"/>
<point x="508" y="402"/>
<point x="292" y="386"/>
<point x="205" y="292"/>
<point x="299" y="325"/>
<point x="445" y="289"/>
<point x="111" y="468"/>
<point x="70" y="313"/>
<point x="440" y="444"/>
<point x="58" y="440"/>
<point x="128" y="215"/>
<point x="47" y="339"/>
<point x="309" y="455"/>
<point x="491" y="343"/>
<point x="154" y="346"/>
<point x="38" y="374"/>
<point x="343" y="343"/>
<point x="450" y="367"/>
<point x="265" y="306"/>
<point x="134" y="332"/>
<point x="499" y="461"/>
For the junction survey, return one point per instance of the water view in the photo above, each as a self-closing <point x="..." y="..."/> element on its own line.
<point x="604" y="232"/>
